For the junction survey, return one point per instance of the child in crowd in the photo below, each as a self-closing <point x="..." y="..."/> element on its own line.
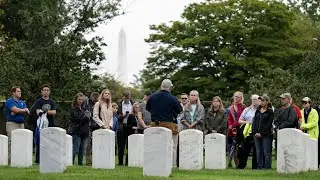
<point x="115" y="121"/>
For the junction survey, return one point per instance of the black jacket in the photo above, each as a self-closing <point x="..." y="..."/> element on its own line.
<point x="121" y="116"/>
<point x="131" y="122"/>
<point x="286" y="118"/>
<point x="262" y="122"/>
<point x="79" y="123"/>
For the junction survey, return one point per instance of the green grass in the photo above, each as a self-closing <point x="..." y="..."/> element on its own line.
<point x="86" y="173"/>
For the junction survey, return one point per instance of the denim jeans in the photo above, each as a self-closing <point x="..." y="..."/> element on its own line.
<point x="79" y="145"/>
<point x="263" y="148"/>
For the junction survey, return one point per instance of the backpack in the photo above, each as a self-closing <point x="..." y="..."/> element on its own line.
<point x="93" y="125"/>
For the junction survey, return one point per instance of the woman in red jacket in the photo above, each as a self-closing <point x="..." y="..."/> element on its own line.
<point x="235" y="111"/>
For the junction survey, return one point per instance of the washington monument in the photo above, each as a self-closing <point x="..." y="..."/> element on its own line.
<point x="122" y="58"/>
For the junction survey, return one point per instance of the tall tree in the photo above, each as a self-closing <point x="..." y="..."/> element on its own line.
<point x="51" y="44"/>
<point x="219" y="45"/>
<point x="309" y="7"/>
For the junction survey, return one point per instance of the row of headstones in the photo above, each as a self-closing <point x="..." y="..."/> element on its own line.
<point x="153" y="151"/>
<point x="190" y="149"/>
<point x="296" y="151"/>
<point x="56" y="149"/>
<point x="54" y="142"/>
<point x="155" y="148"/>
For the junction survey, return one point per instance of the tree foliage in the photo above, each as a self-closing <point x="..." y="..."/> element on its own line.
<point x="116" y="87"/>
<point x="45" y="42"/>
<point x="309" y="7"/>
<point x="219" y="45"/>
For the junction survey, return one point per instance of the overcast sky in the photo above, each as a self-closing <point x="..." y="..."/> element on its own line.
<point x="140" y="14"/>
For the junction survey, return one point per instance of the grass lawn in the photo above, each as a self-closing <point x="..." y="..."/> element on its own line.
<point x="86" y="173"/>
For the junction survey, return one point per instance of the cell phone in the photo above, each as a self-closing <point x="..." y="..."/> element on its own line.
<point x="127" y="112"/>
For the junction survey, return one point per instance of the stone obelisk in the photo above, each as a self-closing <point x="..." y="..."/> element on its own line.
<point x="122" y="58"/>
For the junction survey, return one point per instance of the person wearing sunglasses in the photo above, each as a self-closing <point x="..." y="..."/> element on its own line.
<point x="286" y="116"/>
<point x="310" y="118"/>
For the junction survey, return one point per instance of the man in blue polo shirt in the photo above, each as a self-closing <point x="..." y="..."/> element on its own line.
<point x="15" y="111"/>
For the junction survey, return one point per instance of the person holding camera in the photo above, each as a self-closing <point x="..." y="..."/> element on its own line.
<point x="79" y="127"/>
<point x="125" y="107"/>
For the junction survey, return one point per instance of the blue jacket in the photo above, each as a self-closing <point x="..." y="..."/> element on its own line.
<point x="115" y="123"/>
<point x="163" y="106"/>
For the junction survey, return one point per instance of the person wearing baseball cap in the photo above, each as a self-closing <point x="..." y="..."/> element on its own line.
<point x="296" y="108"/>
<point x="262" y="132"/>
<point x="287" y="116"/>
<point x="310" y="118"/>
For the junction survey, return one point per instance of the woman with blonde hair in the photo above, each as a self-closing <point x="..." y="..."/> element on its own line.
<point x="102" y="112"/>
<point x="193" y="114"/>
<point x="216" y="120"/>
<point x="235" y="111"/>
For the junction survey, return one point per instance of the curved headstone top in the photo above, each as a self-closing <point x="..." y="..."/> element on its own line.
<point x="158" y="152"/>
<point x="215" y="151"/>
<point x="135" y="150"/>
<point x="21" y="148"/>
<point x="156" y="130"/>
<point x="53" y="150"/>
<point x="191" y="149"/>
<point x="103" y="149"/>
<point x="103" y="131"/>
<point x="190" y="131"/>
<point x="291" y="148"/>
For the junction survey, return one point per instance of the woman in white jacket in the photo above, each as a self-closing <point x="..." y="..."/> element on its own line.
<point x="102" y="111"/>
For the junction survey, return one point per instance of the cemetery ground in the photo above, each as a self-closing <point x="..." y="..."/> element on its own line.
<point x="123" y="172"/>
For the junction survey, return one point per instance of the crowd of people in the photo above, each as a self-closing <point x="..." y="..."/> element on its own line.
<point x="248" y="129"/>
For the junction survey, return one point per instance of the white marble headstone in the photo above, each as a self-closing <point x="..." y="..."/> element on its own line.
<point x="158" y="152"/>
<point x="215" y="151"/>
<point x="52" y="150"/>
<point x="190" y="149"/>
<point x="290" y="151"/>
<point x="21" y="148"/>
<point x="313" y="150"/>
<point x="103" y="149"/>
<point x="69" y="150"/>
<point x="3" y="150"/>
<point x="135" y="149"/>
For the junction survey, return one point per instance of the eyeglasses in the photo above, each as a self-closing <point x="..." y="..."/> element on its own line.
<point x="305" y="102"/>
<point x="184" y="98"/>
